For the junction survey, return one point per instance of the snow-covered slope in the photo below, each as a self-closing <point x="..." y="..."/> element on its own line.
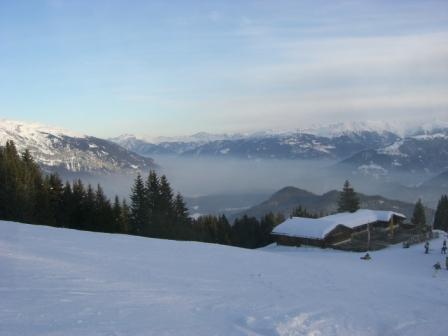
<point x="67" y="282"/>
<point x="59" y="150"/>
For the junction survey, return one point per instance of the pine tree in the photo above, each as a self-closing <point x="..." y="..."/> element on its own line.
<point x="116" y="215"/>
<point x="39" y="200"/>
<point x="125" y="218"/>
<point x="441" y="215"/>
<point x="166" y="210"/>
<point x="180" y="209"/>
<point x="13" y="189"/>
<point x="103" y="218"/>
<point x="267" y="224"/>
<point x="67" y="206"/>
<point x="79" y="213"/>
<point x="152" y="194"/>
<point x="88" y="220"/>
<point x="418" y="216"/>
<point x="138" y="209"/>
<point x="181" y="218"/>
<point x="56" y="197"/>
<point x="348" y="200"/>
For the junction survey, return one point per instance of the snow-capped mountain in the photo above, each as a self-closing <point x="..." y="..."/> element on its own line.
<point x="198" y="138"/>
<point x="267" y="145"/>
<point x="366" y="148"/>
<point x="64" y="151"/>
<point x="426" y="152"/>
<point x="400" y="128"/>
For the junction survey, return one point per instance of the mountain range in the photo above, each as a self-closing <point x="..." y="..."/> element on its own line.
<point x="367" y="149"/>
<point x="284" y="145"/>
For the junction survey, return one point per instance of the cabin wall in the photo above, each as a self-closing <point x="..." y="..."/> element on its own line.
<point x="298" y="241"/>
<point x="339" y="234"/>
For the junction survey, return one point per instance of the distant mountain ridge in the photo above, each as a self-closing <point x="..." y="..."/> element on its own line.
<point x="402" y="129"/>
<point x="286" y="199"/>
<point x="57" y="150"/>
<point x="268" y="146"/>
<point x="375" y="149"/>
<point x="424" y="153"/>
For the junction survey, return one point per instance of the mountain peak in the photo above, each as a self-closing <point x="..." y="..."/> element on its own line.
<point x="56" y="149"/>
<point x="32" y="129"/>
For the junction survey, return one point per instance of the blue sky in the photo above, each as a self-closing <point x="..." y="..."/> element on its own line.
<point x="178" y="67"/>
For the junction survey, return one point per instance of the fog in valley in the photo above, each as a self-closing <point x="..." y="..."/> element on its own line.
<point x="205" y="176"/>
<point x="231" y="185"/>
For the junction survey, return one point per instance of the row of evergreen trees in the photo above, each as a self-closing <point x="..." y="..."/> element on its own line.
<point x="27" y="195"/>
<point x="248" y="232"/>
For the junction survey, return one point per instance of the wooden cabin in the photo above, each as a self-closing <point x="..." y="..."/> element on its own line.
<point x="334" y="229"/>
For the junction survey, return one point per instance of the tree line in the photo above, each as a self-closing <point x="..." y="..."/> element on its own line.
<point x="30" y="196"/>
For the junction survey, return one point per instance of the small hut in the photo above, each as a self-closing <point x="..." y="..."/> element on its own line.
<point x="333" y="229"/>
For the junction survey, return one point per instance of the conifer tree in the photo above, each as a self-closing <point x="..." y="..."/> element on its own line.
<point x="224" y="231"/>
<point x="267" y="224"/>
<point x="116" y="216"/>
<point x="79" y="212"/>
<point x="12" y="186"/>
<point x="348" y="200"/>
<point x="181" y="218"/>
<point x="138" y="209"/>
<point x="180" y="209"/>
<point x="418" y="216"/>
<point x="39" y="200"/>
<point x="125" y="218"/>
<point x="103" y="219"/>
<point x="152" y="193"/>
<point x="67" y="206"/>
<point x="441" y="215"/>
<point x="166" y="208"/>
<point x="56" y="197"/>
<point x="87" y="219"/>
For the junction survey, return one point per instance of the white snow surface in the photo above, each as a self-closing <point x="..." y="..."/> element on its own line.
<point x="362" y="216"/>
<point x="31" y="131"/>
<point x="318" y="228"/>
<point x="66" y="282"/>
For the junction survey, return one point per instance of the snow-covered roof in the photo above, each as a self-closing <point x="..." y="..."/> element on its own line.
<point x="319" y="228"/>
<point x="304" y="227"/>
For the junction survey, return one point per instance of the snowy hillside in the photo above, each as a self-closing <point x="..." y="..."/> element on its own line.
<point x="66" y="282"/>
<point x="59" y="150"/>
